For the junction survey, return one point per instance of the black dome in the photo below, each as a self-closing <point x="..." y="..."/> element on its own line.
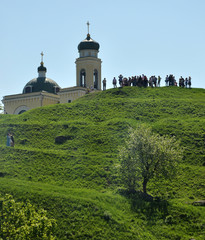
<point x="88" y="43"/>
<point x="42" y="84"/>
<point x="42" y="68"/>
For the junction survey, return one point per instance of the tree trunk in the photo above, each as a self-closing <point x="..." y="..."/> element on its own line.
<point x="145" y="185"/>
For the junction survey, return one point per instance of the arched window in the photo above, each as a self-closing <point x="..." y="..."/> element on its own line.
<point x="83" y="78"/>
<point x="28" y="89"/>
<point x="56" y="89"/>
<point x="22" y="111"/>
<point x="95" y="79"/>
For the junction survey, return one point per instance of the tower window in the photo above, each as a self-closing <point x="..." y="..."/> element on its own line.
<point x="83" y="78"/>
<point x="95" y="79"/>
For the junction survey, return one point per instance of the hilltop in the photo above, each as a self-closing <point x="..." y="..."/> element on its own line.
<point x="65" y="160"/>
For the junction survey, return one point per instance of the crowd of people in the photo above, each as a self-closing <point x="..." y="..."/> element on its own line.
<point x="10" y="140"/>
<point x="144" y="81"/>
<point x="185" y="82"/>
<point x="153" y="81"/>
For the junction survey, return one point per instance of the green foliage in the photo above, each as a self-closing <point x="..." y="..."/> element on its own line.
<point x="77" y="181"/>
<point x="23" y="221"/>
<point x="146" y="155"/>
<point x="1" y="108"/>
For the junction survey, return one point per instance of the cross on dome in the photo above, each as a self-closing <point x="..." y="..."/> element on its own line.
<point x="42" y="57"/>
<point x="42" y="70"/>
<point x="88" y="24"/>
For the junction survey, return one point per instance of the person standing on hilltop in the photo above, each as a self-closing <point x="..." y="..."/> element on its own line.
<point x="120" y="80"/>
<point x="189" y="82"/>
<point x="166" y="81"/>
<point x="104" y="84"/>
<point x="186" y="82"/>
<point x="114" y="82"/>
<point x="159" y="80"/>
<point x="154" y="80"/>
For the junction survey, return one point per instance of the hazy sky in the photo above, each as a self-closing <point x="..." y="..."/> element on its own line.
<point x="151" y="37"/>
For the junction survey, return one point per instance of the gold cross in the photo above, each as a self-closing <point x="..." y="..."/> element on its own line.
<point x="42" y="56"/>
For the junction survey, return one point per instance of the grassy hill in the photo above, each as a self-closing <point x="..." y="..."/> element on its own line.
<point x="65" y="160"/>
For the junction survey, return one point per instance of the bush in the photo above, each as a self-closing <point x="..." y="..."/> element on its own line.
<point x="24" y="221"/>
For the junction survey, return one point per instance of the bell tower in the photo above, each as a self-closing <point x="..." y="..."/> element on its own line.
<point x="88" y="65"/>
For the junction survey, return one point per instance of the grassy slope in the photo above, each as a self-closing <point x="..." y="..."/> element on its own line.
<point x="77" y="181"/>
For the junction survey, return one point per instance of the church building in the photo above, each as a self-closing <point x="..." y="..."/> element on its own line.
<point x="42" y="91"/>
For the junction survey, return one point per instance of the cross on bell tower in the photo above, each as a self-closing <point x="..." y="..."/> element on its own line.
<point x="88" y="65"/>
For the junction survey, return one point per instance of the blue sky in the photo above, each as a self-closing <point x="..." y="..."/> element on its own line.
<point x="151" y="37"/>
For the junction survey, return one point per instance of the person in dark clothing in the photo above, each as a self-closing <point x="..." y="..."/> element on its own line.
<point x="120" y="80"/>
<point x="114" y="82"/>
<point x="189" y="82"/>
<point x="12" y="141"/>
<point x="159" y="80"/>
<point x="104" y="84"/>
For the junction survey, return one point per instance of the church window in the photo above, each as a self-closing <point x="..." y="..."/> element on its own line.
<point x="56" y="89"/>
<point x="22" y="111"/>
<point x="83" y="78"/>
<point x="95" y="79"/>
<point x="28" y="89"/>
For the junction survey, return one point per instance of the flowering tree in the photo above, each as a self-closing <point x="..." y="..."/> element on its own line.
<point x="145" y="155"/>
<point x="23" y="221"/>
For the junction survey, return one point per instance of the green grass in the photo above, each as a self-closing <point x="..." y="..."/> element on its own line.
<point x="78" y="182"/>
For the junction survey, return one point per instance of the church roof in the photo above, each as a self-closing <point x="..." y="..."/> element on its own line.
<point x="88" y="43"/>
<point x="42" y="84"/>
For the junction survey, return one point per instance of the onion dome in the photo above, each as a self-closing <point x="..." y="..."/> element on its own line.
<point x="42" y="68"/>
<point x="88" y="43"/>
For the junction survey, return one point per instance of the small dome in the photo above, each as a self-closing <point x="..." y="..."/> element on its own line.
<point x="88" y="43"/>
<point x="42" y="68"/>
<point x="41" y="84"/>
